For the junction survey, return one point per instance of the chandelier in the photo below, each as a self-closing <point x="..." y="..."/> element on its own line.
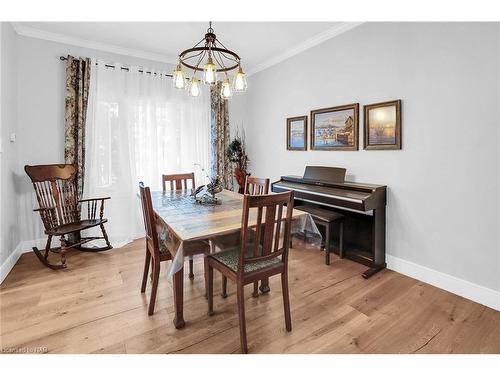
<point x="214" y="61"/>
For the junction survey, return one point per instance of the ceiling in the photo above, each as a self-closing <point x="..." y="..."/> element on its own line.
<point x="259" y="44"/>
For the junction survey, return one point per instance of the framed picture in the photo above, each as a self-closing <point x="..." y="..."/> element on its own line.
<point x="382" y="126"/>
<point x="296" y="133"/>
<point x="335" y="128"/>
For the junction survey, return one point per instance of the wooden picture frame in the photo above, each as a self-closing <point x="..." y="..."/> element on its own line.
<point x="299" y="141"/>
<point x="384" y="132"/>
<point x="335" y="128"/>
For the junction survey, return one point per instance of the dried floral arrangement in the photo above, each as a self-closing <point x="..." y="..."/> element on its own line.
<point x="236" y="153"/>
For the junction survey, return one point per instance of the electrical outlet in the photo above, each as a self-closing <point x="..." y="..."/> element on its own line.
<point x="12" y="137"/>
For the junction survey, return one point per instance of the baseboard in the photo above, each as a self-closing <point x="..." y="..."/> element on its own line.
<point x="10" y="262"/>
<point x="21" y="248"/>
<point x="463" y="288"/>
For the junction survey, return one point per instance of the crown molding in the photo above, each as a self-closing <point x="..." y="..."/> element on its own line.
<point x="110" y="48"/>
<point x="309" y="43"/>
<point x="32" y="32"/>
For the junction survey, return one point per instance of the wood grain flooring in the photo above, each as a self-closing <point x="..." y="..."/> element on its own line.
<point x="95" y="306"/>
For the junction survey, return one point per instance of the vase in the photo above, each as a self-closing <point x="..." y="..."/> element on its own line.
<point x="240" y="178"/>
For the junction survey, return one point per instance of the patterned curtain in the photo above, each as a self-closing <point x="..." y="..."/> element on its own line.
<point x="77" y="92"/>
<point x="220" y="138"/>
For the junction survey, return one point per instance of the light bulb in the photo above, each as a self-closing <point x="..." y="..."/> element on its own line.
<point x="179" y="78"/>
<point x="226" y="91"/>
<point x="240" y="81"/>
<point x="194" y="87"/>
<point x="210" y="71"/>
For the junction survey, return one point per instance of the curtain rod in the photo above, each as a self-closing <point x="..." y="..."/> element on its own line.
<point x="64" y="58"/>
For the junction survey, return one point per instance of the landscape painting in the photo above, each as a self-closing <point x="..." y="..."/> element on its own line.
<point x="382" y="130"/>
<point x="335" y="128"/>
<point x="296" y="133"/>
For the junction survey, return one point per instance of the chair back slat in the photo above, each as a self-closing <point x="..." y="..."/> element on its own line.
<point x="268" y="229"/>
<point x="55" y="190"/>
<point x="178" y="181"/>
<point x="256" y="186"/>
<point x="258" y="231"/>
<point x="152" y="242"/>
<point x="278" y="229"/>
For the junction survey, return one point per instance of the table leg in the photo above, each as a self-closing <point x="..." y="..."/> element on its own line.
<point x="264" y="286"/>
<point x="179" y="299"/>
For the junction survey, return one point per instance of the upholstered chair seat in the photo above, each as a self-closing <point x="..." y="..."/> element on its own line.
<point x="230" y="258"/>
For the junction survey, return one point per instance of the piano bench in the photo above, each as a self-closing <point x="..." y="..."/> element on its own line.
<point x="327" y="218"/>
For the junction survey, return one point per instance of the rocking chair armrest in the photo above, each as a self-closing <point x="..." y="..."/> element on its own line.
<point x="92" y="209"/>
<point x="93" y="199"/>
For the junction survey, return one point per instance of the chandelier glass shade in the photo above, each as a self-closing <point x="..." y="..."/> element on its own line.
<point x="213" y="62"/>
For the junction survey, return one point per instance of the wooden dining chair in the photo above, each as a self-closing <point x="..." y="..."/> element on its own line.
<point x="156" y="250"/>
<point x="253" y="186"/>
<point x="256" y="185"/>
<point x="156" y="247"/>
<point x="252" y="261"/>
<point x="179" y="181"/>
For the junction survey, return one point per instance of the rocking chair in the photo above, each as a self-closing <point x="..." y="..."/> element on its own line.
<point x="60" y="210"/>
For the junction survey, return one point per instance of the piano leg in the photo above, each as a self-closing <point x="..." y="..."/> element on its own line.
<point x="379" y="243"/>
<point x="371" y="271"/>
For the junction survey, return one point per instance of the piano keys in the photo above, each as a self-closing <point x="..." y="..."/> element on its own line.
<point x="363" y="206"/>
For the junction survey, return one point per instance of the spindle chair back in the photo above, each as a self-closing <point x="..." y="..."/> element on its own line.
<point x="178" y="181"/>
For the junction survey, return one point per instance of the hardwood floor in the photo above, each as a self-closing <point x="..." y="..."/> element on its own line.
<point x="95" y="306"/>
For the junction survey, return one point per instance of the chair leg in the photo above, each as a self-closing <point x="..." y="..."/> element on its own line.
<point x="146" y="270"/>
<point x="63" y="250"/>
<point x="44" y="257"/>
<point x="191" y="274"/>
<point x="47" y="247"/>
<point x="105" y="235"/>
<point x="154" y="287"/>
<point x="241" y="316"/>
<point x="224" y="287"/>
<point x="286" y="301"/>
<point x="255" y="289"/>
<point x="210" y="290"/>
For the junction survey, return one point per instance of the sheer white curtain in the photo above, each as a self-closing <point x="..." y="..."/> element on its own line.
<point x="138" y="128"/>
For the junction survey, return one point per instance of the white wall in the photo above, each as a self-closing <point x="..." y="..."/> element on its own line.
<point x="9" y="232"/>
<point x="443" y="186"/>
<point x="39" y="115"/>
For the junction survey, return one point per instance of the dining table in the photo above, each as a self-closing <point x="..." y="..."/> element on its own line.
<point x="183" y="221"/>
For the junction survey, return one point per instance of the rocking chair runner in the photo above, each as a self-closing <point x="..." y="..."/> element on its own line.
<point x="60" y="210"/>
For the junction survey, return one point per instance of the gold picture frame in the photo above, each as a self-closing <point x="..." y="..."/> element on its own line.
<point x="382" y="126"/>
<point x="335" y="128"/>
